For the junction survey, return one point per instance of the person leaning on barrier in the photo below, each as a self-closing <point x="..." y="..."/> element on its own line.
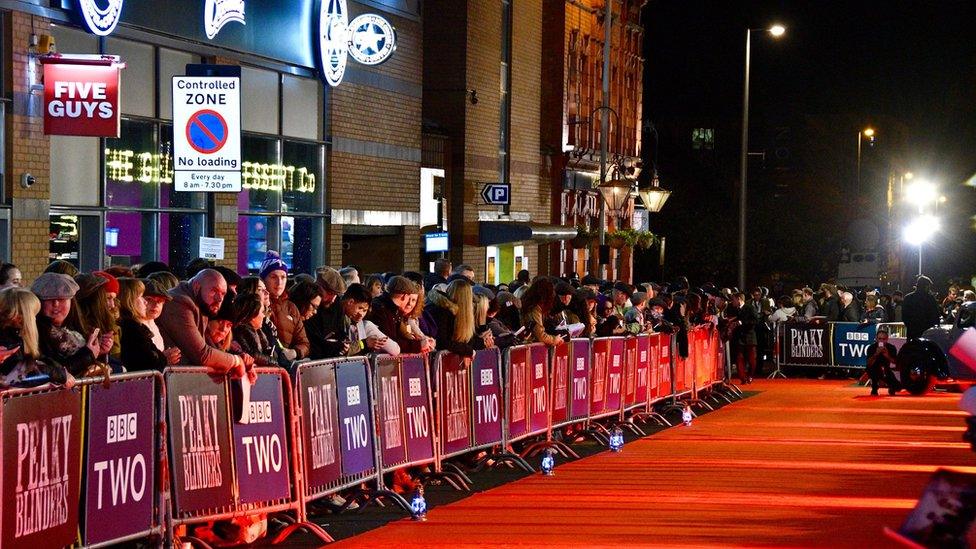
<point x="20" y="352"/>
<point x="91" y="311"/>
<point x="453" y="311"/>
<point x="363" y="336"/>
<point x="248" y="337"/>
<point x="74" y="351"/>
<point x="537" y="303"/>
<point x="390" y="312"/>
<point x="184" y="321"/>
<point x="285" y="315"/>
<point x="139" y="352"/>
<point x="829" y="306"/>
<point x="634" y="320"/>
<point x="873" y="311"/>
<point x="809" y="308"/>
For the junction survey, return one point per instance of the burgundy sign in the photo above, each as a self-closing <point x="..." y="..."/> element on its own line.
<point x="664" y="364"/>
<point x="199" y="436"/>
<point x="539" y="399"/>
<point x="41" y="469"/>
<point x="654" y="370"/>
<point x="455" y="403"/>
<point x="518" y="382"/>
<point x="261" y="444"/>
<point x="598" y="379"/>
<point x="615" y="373"/>
<point x="630" y="371"/>
<point x="81" y="99"/>
<point x="320" y="426"/>
<point x="560" y="384"/>
<point x="121" y="474"/>
<point x="487" y="398"/>
<point x="355" y="417"/>
<point x="416" y="400"/>
<point x="580" y="361"/>
<point x="393" y="449"/>
<point x="643" y="369"/>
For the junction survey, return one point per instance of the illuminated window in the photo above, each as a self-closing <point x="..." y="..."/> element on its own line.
<point x="703" y="139"/>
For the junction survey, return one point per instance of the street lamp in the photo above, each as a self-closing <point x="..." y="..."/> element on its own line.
<point x="869" y="133"/>
<point x="920" y="231"/>
<point x="921" y="193"/>
<point x="654" y="196"/>
<point x="776" y="31"/>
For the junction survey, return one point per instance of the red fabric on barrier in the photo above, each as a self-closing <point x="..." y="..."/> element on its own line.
<point x="454" y="403"/>
<point x="642" y="370"/>
<point x="598" y="376"/>
<point x="391" y="417"/>
<point x="664" y="365"/>
<point x="560" y="384"/>
<point x="580" y="374"/>
<point x="539" y="396"/>
<point x="517" y="387"/>
<point x="320" y="426"/>
<point x="630" y="371"/>
<point x="615" y="374"/>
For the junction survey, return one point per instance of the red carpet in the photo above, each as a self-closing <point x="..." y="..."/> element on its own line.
<point x="802" y="464"/>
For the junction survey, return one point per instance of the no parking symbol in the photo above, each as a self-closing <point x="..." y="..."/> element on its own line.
<point x="207" y="140"/>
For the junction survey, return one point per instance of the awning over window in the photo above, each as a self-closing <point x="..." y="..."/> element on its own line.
<point x="491" y="233"/>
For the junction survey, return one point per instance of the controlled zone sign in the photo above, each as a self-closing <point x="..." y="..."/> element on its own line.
<point x="207" y="133"/>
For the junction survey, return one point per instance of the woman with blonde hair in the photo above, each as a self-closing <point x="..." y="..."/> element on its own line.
<point x="453" y="311"/>
<point x="20" y="356"/>
<point x="139" y="351"/>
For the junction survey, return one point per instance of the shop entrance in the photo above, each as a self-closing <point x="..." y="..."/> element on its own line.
<point x="77" y="239"/>
<point x="503" y="262"/>
<point x="373" y="249"/>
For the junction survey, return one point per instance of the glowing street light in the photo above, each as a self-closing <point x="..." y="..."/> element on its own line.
<point x="869" y="133"/>
<point x="921" y="193"/>
<point x="776" y="31"/>
<point x="920" y="231"/>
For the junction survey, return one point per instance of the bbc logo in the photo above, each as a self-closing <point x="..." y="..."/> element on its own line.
<point x="121" y="428"/>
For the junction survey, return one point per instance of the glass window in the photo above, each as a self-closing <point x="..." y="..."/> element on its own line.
<point x="253" y="234"/>
<point x="302" y="189"/>
<point x="261" y="177"/>
<point x="131" y="167"/>
<point x="163" y="170"/>
<point x="181" y="236"/>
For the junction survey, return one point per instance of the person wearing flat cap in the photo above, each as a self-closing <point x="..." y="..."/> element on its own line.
<point x="284" y="313"/>
<point x="75" y="351"/>
<point x="185" y="319"/>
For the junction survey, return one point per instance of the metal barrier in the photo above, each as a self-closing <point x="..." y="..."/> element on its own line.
<point x="824" y="344"/>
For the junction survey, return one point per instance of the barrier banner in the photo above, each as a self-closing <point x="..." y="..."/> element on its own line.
<point x="642" y="371"/>
<point x="653" y="368"/>
<point x="455" y="405"/>
<point x="664" y="365"/>
<point x="120" y="468"/>
<point x="320" y="426"/>
<point x="560" y="382"/>
<point x="416" y="401"/>
<point x="199" y="435"/>
<point x="615" y="372"/>
<point x="488" y="398"/>
<point x="355" y="417"/>
<point x="41" y="469"/>
<point x="580" y="402"/>
<point x="260" y="445"/>
<point x="805" y="343"/>
<point x="598" y="377"/>
<point x="630" y="371"/>
<point x="393" y="449"/>
<point x="518" y="381"/>
<point x="851" y="342"/>
<point x="539" y="418"/>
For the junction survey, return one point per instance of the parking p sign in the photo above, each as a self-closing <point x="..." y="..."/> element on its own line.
<point x="207" y="133"/>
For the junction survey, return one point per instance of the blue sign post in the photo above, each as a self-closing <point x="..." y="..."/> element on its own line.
<point x="497" y="194"/>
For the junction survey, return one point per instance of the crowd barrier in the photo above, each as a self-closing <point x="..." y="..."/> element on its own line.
<point x="829" y="344"/>
<point x="147" y="454"/>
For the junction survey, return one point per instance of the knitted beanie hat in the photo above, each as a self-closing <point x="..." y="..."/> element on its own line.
<point x="272" y="262"/>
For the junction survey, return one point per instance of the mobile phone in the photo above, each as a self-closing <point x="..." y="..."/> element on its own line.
<point x="519" y="331"/>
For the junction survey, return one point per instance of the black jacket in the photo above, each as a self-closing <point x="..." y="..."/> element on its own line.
<point x="138" y="350"/>
<point x="54" y="345"/>
<point x="326" y="331"/>
<point x="919" y="311"/>
<point x="442" y="309"/>
<point x="831" y="309"/>
<point x="386" y="315"/>
<point x="255" y="343"/>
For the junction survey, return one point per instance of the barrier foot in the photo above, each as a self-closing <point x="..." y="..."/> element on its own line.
<point x="660" y="419"/>
<point x="560" y="447"/>
<point x="776" y="373"/>
<point x="507" y="458"/>
<point x="309" y="527"/>
<point x="698" y="402"/>
<point x="631" y="426"/>
<point x="194" y="541"/>
<point x="733" y="388"/>
<point x="375" y="495"/>
<point x="455" y="470"/>
<point x="453" y="479"/>
<point x="677" y="408"/>
<point x="721" y="395"/>
<point x="596" y="435"/>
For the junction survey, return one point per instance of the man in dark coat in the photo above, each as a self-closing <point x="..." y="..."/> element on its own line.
<point x="920" y="310"/>
<point x="881" y="355"/>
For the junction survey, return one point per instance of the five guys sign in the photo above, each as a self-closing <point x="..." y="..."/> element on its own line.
<point x="81" y="95"/>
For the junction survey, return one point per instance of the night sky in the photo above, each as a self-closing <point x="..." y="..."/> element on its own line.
<point x="907" y="69"/>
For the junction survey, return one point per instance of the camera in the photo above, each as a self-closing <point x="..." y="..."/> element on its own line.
<point x="27" y="180"/>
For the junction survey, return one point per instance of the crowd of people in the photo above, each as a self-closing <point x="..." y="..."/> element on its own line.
<point x="70" y="324"/>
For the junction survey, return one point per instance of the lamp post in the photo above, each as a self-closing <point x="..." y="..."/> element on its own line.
<point x="869" y="133"/>
<point x="920" y="231"/>
<point x="776" y="31"/>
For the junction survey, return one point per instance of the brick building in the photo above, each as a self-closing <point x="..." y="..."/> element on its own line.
<point x="571" y="119"/>
<point x="325" y="170"/>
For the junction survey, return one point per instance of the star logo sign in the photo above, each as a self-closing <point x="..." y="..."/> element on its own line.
<point x="101" y="16"/>
<point x="368" y="39"/>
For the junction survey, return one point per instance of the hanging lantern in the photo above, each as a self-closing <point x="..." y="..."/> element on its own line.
<point x="654" y="196"/>
<point x="615" y="192"/>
